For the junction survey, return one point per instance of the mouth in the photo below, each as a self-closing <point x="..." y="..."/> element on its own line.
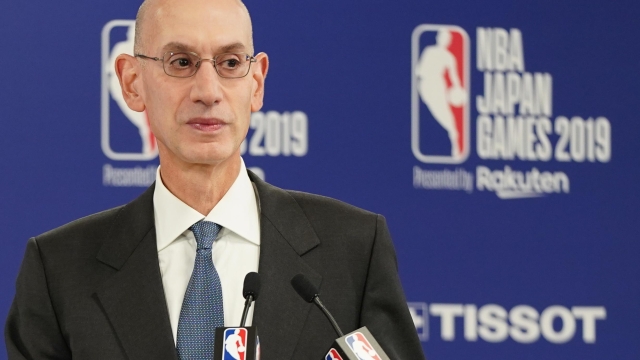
<point x="206" y="124"/>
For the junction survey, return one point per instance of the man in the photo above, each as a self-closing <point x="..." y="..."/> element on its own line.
<point x="131" y="282"/>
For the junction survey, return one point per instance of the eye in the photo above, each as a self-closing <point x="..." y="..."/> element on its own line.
<point x="229" y="61"/>
<point x="180" y="61"/>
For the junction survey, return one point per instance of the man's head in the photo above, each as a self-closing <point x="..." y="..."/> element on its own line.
<point x="204" y="118"/>
<point x="443" y="38"/>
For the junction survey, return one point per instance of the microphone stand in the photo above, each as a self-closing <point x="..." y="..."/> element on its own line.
<point x="245" y="312"/>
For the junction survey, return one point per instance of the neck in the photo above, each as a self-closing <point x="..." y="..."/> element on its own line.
<point x="201" y="186"/>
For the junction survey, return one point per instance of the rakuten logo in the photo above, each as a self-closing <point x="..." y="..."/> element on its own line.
<point x="523" y="323"/>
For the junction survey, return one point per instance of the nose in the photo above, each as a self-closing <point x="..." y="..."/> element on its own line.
<point x="206" y="88"/>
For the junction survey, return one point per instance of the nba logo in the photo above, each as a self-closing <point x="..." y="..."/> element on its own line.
<point x="440" y="94"/>
<point x="235" y="344"/>
<point x="125" y="134"/>
<point x="420" y="316"/>
<point x="361" y="347"/>
<point x="333" y="355"/>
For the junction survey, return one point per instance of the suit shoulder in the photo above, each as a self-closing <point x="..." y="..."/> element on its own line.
<point x="90" y="226"/>
<point x="334" y="220"/>
<point x="318" y="203"/>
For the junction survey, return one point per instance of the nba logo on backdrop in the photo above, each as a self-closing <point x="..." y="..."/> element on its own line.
<point x="235" y="344"/>
<point x="440" y="94"/>
<point x="333" y="355"/>
<point x="361" y="347"/>
<point x="125" y="134"/>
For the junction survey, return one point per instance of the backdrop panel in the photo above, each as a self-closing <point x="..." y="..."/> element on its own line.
<point x="499" y="138"/>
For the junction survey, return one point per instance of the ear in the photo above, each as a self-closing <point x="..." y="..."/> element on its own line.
<point x="260" y="69"/>
<point x="128" y="69"/>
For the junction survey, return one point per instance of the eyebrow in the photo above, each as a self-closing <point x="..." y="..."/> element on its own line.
<point x="232" y="47"/>
<point x="178" y="46"/>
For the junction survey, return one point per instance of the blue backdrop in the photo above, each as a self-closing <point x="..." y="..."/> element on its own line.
<point x="499" y="139"/>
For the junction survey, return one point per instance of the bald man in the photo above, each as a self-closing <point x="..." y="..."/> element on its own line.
<point x="122" y="284"/>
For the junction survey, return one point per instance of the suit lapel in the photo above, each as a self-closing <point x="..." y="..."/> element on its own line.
<point x="286" y="235"/>
<point x="133" y="298"/>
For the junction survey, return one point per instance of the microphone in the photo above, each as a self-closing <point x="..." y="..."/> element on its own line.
<point x="310" y="294"/>
<point x="250" y="292"/>
<point x="356" y="345"/>
<point x="240" y="342"/>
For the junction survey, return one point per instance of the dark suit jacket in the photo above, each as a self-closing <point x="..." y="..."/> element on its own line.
<point x="92" y="289"/>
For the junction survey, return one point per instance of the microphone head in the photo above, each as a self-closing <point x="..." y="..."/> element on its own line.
<point x="251" y="285"/>
<point x="304" y="288"/>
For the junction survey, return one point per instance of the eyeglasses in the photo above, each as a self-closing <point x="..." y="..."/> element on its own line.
<point x="186" y="64"/>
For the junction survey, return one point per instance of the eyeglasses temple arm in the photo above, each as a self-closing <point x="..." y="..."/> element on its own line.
<point x="147" y="57"/>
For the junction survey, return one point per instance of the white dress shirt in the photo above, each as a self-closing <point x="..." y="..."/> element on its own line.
<point x="235" y="252"/>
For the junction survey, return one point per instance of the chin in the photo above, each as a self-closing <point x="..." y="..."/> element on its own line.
<point x="211" y="156"/>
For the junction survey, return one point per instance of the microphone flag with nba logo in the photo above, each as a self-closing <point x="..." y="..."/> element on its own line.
<point x="240" y="343"/>
<point x="357" y="345"/>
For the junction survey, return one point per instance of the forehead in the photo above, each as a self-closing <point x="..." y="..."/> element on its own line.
<point x="203" y="26"/>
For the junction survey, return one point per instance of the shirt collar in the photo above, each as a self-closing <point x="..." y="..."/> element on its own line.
<point x="237" y="211"/>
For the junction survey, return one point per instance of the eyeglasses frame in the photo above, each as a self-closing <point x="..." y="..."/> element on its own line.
<point x="249" y="58"/>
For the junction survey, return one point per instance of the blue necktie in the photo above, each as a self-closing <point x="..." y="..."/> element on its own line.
<point x="202" y="309"/>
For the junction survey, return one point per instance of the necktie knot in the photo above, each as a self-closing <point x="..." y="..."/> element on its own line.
<point x="205" y="233"/>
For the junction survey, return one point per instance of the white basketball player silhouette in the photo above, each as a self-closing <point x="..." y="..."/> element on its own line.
<point x="435" y="62"/>
<point x="139" y="119"/>
<point x="233" y="344"/>
<point x="363" y="351"/>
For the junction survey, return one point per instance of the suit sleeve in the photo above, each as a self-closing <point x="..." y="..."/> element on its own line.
<point x="32" y="330"/>
<point x="384" y="307"/>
